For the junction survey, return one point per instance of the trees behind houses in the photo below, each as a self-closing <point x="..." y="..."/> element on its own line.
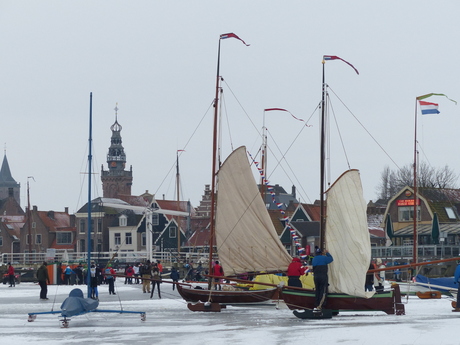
<point x="392" y="181"/>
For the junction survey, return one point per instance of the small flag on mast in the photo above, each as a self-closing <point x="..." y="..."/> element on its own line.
<point x="231" y="34"/>
<point x="333" y="57"/>
<point x="428" y="108"/>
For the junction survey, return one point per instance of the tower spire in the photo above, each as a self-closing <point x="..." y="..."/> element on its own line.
<point x="116" y="180"/>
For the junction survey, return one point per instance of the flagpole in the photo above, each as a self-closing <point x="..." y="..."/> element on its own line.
<point x="415" y="188"/>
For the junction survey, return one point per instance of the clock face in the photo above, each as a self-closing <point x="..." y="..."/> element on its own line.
<point x="113" y="164"/>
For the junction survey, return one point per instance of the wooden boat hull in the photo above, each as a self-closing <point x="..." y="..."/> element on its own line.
<point x="429" y="294"/>
<point x="388" y="302"/>
<point x="226" y="297"/>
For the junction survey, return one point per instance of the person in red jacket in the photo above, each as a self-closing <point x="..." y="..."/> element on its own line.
<point x="11" y="275"/>
<point x="294" y="272"/>
<point x="219" y="272"/>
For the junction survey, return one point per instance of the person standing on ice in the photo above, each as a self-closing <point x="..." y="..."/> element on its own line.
<point x="43" y="279"/>
<point x="457" y="281"/>
<point x="11" y="275"/>
<point x="110" y="279"/>
<point x="320" y="262"/>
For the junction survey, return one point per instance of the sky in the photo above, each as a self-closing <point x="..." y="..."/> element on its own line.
<point x="168" y="321"/>
<point x="157" y="60"/>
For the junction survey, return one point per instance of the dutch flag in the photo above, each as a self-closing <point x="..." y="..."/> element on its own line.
<point x="428" y="108"/>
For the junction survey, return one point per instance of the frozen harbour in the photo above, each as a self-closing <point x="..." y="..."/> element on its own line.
<point x="170" y="322"/>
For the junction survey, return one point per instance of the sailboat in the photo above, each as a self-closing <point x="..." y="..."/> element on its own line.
<point x="245" y="236"/>
<point x="344" y="232"/>
<point x="76" y="304"/>
<point x="246" y="239"/>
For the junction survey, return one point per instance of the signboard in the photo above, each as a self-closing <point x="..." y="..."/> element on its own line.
<point x="407" y="202"/>
<point x="50" y="254"/>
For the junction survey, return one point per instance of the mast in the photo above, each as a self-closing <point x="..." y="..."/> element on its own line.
<point x="322" y="226"/>
<point x="414" y="254"/>
<point x="88" y="238"/>
<point x="29" y="214"/>
<point x="178" y="202"/>
<point x="263" y="176"/>
<point x="214" y="167"/>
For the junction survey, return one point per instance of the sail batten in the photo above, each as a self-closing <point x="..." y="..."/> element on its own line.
<point x="347" y="236"/>
<point x="245" y="236"/>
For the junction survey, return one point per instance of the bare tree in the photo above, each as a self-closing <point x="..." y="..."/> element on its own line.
<point x="427" y="177"/>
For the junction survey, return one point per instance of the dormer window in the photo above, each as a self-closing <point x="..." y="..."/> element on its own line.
<point x="450" y="213"/>
<point x="122" y="220"/>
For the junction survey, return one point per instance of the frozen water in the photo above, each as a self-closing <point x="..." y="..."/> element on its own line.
<point x="170" y="322"/>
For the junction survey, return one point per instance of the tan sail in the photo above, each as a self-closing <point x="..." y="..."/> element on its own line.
<point x="347" y="236"/>
<point x="245" y="236"/>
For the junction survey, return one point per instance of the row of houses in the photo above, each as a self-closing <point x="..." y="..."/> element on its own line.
<point x="123" y="228"/>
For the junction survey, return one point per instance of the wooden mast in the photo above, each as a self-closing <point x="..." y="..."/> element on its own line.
<point x="263" y="177"/>
<point x="322" y="238"/>
<point x="178" y="202"/>
<point x="414" y="254"/>
<point x="214" y="168"/>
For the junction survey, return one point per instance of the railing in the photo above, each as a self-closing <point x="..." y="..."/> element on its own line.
<point x="101" y="257"/>
<point x="424" y="252"/>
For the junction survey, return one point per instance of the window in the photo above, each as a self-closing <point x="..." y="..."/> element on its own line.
<point x="172" y="232"/>
<point x="450" y="212"/>
<point x="34" y="225"/>
<point x="123" y="220"/>
<point x="128" y="238"/>
<point x="155" y="219"/>
<point x="99" y="225"/>
<point x="406" y="213"/>
<point x="82" y="226"/>
<point x="38" y="239"/>
<point x="82" y="246"/>
<point x="64" y="238"/>
<point x="117" y="238"/>
<point x="143" y="239"/>
<point x="1" y="241"/>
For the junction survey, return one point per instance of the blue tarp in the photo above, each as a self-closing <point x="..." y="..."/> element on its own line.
<point x="448" y="282"/>
<point x="76" y="304"/>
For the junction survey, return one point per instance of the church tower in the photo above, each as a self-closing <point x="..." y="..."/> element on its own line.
<point x="8" y="186"/>
<point x="116" y="181"/>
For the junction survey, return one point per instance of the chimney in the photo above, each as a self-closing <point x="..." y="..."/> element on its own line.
<point x="34" y="208"/>
<point x="66" y="210"/>
<point x="293" y="191"/>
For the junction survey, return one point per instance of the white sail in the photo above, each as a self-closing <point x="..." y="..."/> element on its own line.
<point x="245" y="236"/>
<point x="347" y="236"/>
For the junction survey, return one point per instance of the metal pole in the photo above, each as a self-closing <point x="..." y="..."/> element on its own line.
<point x="88" y="237"/>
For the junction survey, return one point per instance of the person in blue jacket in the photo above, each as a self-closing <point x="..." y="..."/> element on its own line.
<point x="456" y="281"/>
<point x="320" y="262"/>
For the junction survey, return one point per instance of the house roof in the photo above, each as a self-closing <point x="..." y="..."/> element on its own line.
<point x="53" y="220"/>
<point x="200" y="238"/>
<point x="10" y="206"/>
<point x="307" y="229"/>
<point x="438" y="199"/>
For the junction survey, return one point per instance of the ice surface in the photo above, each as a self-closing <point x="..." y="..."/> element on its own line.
<point x="170" y="322"/>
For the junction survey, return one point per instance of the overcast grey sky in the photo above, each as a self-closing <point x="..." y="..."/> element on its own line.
<point x="157" y="60"/>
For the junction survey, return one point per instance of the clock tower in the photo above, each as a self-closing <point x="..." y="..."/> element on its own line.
<point x="116" y="181"/>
